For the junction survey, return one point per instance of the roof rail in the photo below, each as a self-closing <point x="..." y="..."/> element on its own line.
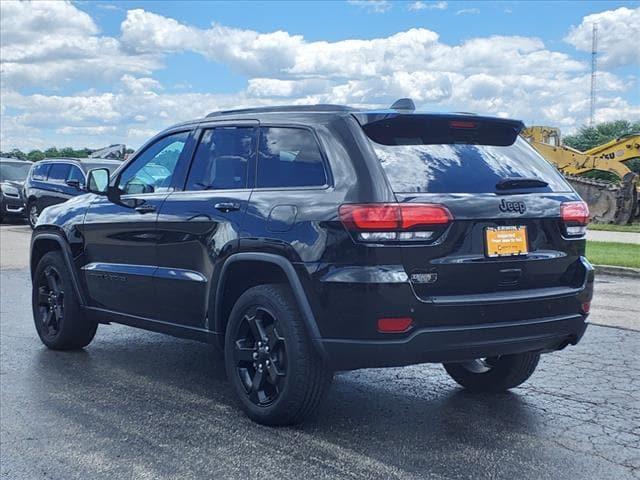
<point x="285" y="108"/>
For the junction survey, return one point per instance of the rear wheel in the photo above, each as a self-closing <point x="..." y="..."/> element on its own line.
<point x="494" y="374"/>
<point x="270" y="361"/>
<point x="56" y="311"/>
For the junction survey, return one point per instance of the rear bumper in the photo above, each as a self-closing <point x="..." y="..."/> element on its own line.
<point x="454" y="344"/>
<point x="448" y="328"/>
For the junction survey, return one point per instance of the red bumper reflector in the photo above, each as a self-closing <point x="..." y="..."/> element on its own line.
<point x="394" y="325"/>
<point x="586" y="306"/>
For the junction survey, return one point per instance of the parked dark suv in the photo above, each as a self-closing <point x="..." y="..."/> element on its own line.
<point x="56" y="180"/>
<point x="12" y="175"/>
<point x="309" y="239"/>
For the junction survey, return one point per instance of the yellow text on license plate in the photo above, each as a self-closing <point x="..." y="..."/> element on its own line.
<point x="506" y="241"/>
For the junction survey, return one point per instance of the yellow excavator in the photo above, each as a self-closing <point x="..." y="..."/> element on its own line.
<point x="609" y="202"/>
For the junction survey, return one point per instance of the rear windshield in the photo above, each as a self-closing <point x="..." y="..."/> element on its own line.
<point x="465" y="168"/>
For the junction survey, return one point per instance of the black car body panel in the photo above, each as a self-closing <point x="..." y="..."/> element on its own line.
<point x="174" y="259"/>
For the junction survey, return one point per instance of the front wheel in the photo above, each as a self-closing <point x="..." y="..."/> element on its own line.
<point x="270" y="361"/>
<point x="57" y="314"/>
<point x="494" y="374"/>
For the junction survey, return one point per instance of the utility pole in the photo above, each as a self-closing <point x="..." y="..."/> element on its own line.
<point x="594" y="68"/>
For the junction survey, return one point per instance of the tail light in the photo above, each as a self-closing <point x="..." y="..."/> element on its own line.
<point x="575" y="216"/>
<point x="395" y="325"/>
<point x="395" y="221"/>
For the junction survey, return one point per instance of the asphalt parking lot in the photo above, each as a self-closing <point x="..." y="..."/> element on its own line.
<point x="136" y="404"/>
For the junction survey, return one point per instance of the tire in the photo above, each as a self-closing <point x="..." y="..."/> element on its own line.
<point x="496" y="374"/>
<point x="57" y="314"/>
<point x="293" y="377"/>
<point x="32" y="217"/>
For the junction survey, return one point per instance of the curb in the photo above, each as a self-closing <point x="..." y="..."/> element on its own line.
<point x="620" y="271"/>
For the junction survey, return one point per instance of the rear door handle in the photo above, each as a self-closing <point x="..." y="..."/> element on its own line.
<point x="227" y="206"/>
<point x="146" y="209"/>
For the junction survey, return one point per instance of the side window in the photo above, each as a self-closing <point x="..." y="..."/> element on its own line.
<point x="222" y="158"/>
<point x="58" y="172"/>
<point x="153" y="169"/>
<point x="41" y="171"/>
<point x="76" y="174"/>
<point x="289" y="157"/>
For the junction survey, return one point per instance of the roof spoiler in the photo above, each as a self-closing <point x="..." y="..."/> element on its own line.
<point x="408" y="128"/>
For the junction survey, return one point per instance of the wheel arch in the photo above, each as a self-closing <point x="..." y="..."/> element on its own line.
<point x="45" y="242"/>
<point x="271" y="268"/>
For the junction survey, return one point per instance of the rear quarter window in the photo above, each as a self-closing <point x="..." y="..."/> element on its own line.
<point x="464" y="168"/>
<point x="289" y="157"/>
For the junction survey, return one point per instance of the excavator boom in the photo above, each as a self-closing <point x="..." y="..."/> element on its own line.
<point x="608" y="202"/>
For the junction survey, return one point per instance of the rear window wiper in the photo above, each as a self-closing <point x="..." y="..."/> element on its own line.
<point x="520" y="182"/>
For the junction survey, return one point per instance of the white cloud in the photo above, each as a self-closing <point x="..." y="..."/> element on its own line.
<point x="52" y="43"/>
<point x="618" y="36"/>
<point x="372" y="6"/>
<point x="21" y="19"/>
<point x="420" y="5"/>
<point x="468" y="11"/>
<point x="144" y="85"/>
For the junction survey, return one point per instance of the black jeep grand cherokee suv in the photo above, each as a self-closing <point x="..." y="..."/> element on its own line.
<point x="305" y="240"/>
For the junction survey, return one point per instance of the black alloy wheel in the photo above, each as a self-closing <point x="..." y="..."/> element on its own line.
<point x="260" y="356"/>
<point x="50" y="301"/>
<point x="270" y="360"/>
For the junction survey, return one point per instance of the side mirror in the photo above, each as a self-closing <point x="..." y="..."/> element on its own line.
<point x="74" y="183"/>
<point x="98" y="181"/>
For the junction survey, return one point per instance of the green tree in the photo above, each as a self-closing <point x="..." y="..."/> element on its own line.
<point x="589" y="137"/>
<point x="35" y="155"/>
<point x="15" y="153"/>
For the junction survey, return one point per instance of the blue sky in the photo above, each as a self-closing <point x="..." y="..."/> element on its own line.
<point x="93" y="73"/>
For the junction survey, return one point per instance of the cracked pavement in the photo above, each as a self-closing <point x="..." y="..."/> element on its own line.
<point x="141" y="405"/>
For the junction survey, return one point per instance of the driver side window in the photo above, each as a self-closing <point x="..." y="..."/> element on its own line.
<point x="153" y="170"/>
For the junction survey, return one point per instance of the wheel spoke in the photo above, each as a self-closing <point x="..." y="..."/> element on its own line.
<point x="257" y="328"/>
<point x="256" y="386"/>
<point x="43" y="296"/>
<point x="273" y="336"/>
<point x="52" y="281"/>
<point x="242" y="353"/>
<point x="48" y="317"/>
<point x="57" y="310"/>
<point x="275" y="372"/>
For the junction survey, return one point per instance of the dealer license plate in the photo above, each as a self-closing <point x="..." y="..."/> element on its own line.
<point x="506" y="241"/>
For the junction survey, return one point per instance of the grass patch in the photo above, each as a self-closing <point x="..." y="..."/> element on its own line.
<point x="612" y="253"/>
<point x="632" y="227"/>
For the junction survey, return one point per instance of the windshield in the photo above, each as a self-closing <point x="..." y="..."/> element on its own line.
<point x="16" y="172"/>
<point x="465" y="168"/>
